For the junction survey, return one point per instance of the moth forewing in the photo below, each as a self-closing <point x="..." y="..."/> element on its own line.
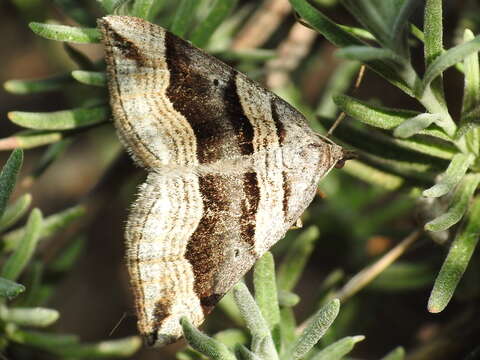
<point x="231" y="167"/>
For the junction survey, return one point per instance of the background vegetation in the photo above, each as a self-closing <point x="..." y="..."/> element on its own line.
<point x="391" y="237"/>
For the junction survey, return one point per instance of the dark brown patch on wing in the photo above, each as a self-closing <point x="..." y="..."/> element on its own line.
<point x="249" y="205"/>
<point x="127" y="47"/>
<point x="205" y="247"/>
<point x="209" y="302"/>
<point x="213" y="111"/>
<point x="287" y="192"/>
<point x="281" y="132"/>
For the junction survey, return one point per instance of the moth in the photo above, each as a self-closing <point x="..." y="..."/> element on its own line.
<point x="231" y="167"/>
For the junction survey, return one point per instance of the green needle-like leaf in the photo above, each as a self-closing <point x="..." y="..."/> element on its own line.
<point x="93" y="78"/>
<point x="22" y="87"/>
<point x="66" y="33"/>
<point x="8" y="177"/>
<point x="287" y="298"/>
<point x="287" y="327"/>
<point x="460" y="202"/>
<point x="20" y="258"/>
<point x="141" y="8"/>
<point x="380" y="116"/>
<point x="33" y="317"/>
<point x="244" y="354"/>
<point x="316" y="328"/>
<point x="262" y="342"/>
<point x="457" y="260"/>
<point x="266" y="289"/>
<point x="219" y="11"/>
<point x="10" y="289"/>
<point x="212" y="348"/>
<point x="454" y="174"/>
<point x="125" y="347"/>
<point x="15" y="211"/>
<point x="471" y="94"/>
<point x="448" y="59"/>
<point x="292" y="266"/>
<point x="51" y="225"/>
<point x="396" y="354"/>
<point x="28" y="139"/>
<point x="416" y="124"/>
<point x="60" y="120"/>
<point x="183" y="17"/>
<point x="367" y="53"/>
<point x="338" y="349"/>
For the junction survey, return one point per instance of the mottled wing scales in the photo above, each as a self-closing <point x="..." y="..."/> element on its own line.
<point x="162" y="220"/>
<point x="149" y="126"/>
<point x="231" y="168"/>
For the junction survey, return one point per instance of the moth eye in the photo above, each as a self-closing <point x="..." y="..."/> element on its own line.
<point x="215" y="82"/>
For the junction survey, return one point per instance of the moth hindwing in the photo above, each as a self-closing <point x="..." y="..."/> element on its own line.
<point x="231" y="167"/>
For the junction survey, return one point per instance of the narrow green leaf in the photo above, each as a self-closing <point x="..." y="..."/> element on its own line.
<point x="257" y="55"/>
<point x="368" y="53"/>
<point x="401" y="28"/>
<point x="471" y="93"/>
<point x="17" y="262"/>
<point x="433" y="40"/>
<point x="60" y="120"/>
<point x="15" y="211"/>
<point x="228" y="306"/>
<point x="460" y="202"/>
<point x="266" y="289"/>
<point x="358" y="32"/>
<point x="231" y="337"/>
<point x="42" y="340"/>
<point x="28" y="139"/>
<point x="261" y="337"/>
<point x="296" y="258"/>
<point x="8" y="177"/>
<point x="141" y="8"/>
<point x="51" y="225"/>
<point x="183" y="17"/>
<point x="287" y="327"/>
<point x="33" y="282"/>
<point x="125" y="347"/>
<point x="287" y="298"/>
<point x="66" y="33"/>
<point x="338" y="349"/>
<point x="22" y="87"/>
<point x="380" y="116"/>
<point x="219" y="11"/>
<point x="433" y="31"/>
<point x="212" y="348"/>
<point x="33" y="317"/>
<point x="447" y="59"/>
<point x="244" y="354"/>
<point x="452" y="176"/>
<point x="10" y="289"/>
<point x="93" y="78"/>
<point x="373" y="175"/>
<point x="457" y="260"/>
<point x="316" y="328"/>
<point x="396" y="354"/>
<point x="429" y="146"/>
<point x="111" y="6"/>
<point x="415" y="124"/>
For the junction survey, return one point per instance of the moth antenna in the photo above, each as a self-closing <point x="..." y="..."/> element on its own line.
<point x="124" y="315"/>
<point x="358" y="82"/>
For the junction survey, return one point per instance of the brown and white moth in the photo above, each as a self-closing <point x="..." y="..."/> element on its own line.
<point x="231" y="167"/>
